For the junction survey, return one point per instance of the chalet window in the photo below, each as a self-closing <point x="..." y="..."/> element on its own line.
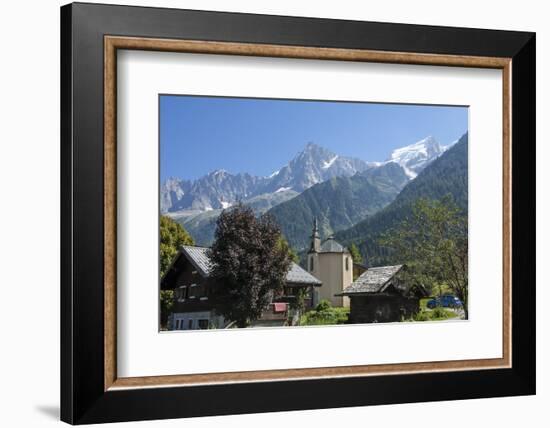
<point x="347" y="263"/>
<point x="190" y="325"/>
<point x="203" y="324"/>
<point x="197" y="290"/>
<point x="180" y="293"/>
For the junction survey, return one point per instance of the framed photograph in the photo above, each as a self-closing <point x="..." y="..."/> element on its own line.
<point x="266" y="213"/>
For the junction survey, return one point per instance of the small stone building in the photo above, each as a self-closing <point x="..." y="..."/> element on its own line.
<point x="380" y="295"/>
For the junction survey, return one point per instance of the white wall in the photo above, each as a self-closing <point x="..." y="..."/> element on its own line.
<point x="29" y="165"/>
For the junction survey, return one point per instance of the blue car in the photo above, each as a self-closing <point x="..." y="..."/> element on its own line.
<point x="447" y="301"/>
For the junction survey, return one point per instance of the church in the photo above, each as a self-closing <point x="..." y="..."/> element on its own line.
<point x="332" y="264"/>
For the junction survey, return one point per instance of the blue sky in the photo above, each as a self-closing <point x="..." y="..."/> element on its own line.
<point x="259" y="136"/>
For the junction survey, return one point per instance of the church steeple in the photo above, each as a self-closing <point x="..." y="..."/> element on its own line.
<point x="315" y="238"/>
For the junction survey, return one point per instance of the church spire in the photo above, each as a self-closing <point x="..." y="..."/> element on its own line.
<point x="315" y="238"/>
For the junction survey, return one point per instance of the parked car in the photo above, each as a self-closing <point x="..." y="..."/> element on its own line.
<point x="447" y="301"/>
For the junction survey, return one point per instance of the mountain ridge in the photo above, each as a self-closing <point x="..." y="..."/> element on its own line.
<point x="220" y="189"/>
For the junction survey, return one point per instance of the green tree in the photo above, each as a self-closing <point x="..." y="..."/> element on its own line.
<point x="249" y="262"/>
<point x="300" y="293"/>
<point x="284" y="246"/>
<point x="433" y="242"/>
<point x="355" y="254"/>
<point x="166" y="305"/>
<point x="172" y="236"/>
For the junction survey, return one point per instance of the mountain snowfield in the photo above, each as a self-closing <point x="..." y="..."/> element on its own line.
<point x="220" y="189"/>
<point x="415" y="157"/>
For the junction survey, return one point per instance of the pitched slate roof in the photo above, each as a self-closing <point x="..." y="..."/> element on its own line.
<point x="297" y="275"/>
<point x="198" y="256"/>
<point x="373" y="280"/>
<point x="332" y="246"/>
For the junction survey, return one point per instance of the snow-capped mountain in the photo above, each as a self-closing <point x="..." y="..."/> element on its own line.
<point x="415" y="157"/>
<point x="313" y="165"/>
<point x="221" y="189"/>
<point x="313" y="183"/>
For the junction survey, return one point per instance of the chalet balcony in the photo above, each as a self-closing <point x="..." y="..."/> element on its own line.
<point x="277" y="311"/>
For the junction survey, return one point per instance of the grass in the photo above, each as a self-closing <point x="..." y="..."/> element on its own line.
<point x="325" y="314"/>
<point x="437" y="314"/>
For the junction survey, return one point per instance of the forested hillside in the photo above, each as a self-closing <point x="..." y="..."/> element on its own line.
<point x="447" y="175"/>
<point x="338" y="203"/>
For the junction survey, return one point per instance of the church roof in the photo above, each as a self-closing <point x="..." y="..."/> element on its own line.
<point x="198" y="256"/>
<point x="332" y="246"/>
<point x="373" y="280"/>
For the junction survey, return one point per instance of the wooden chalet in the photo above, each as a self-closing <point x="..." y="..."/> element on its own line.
<point x="379" y="295"/>
<point x="189" y="278"/>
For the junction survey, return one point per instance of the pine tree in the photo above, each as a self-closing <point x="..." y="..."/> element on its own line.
<point x="355" y="254"/>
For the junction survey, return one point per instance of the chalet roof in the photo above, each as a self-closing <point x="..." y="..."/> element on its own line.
<point x="198" y="256"/>
<point x="297" y="275"/>
<point x="373" y="280"/>
<point x="332" y="246"/>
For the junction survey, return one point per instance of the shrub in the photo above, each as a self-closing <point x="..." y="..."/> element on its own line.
<point x="421" y="316"/>
<point x="439" y="312"/>
<point x="325" y="314"/>
<point x="323" y="305"/>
